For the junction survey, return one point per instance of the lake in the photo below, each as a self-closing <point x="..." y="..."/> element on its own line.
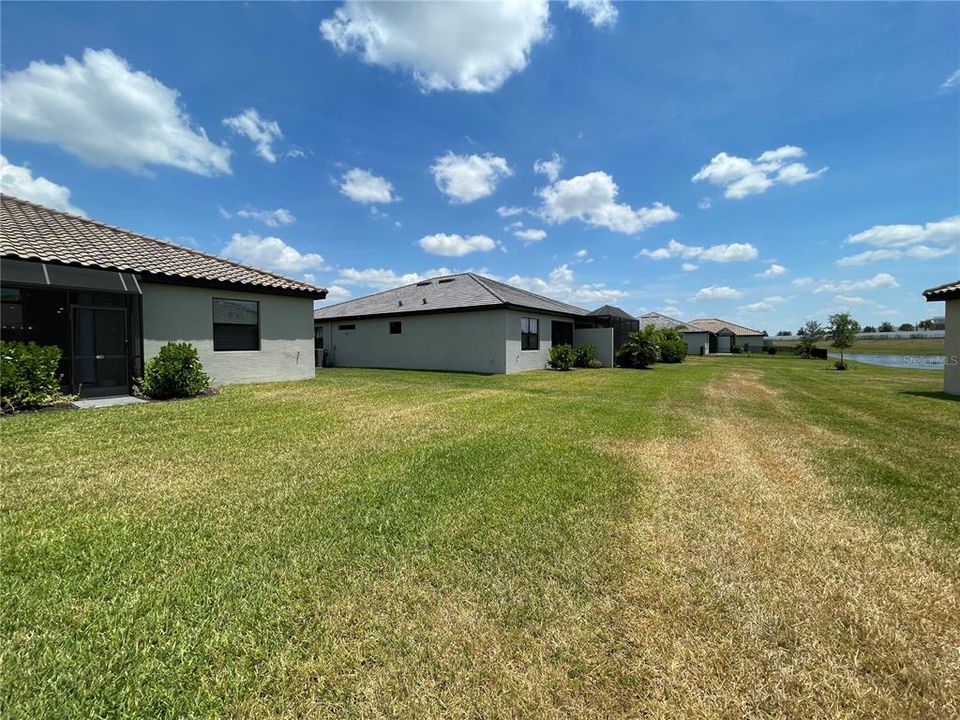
<point x="914" y="362"/>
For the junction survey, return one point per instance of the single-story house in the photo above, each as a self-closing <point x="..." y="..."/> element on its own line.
<point x="950" y="294"/>
<point x="464" y="322"/>
<point x="725" y="335"/>
<point x="697" y="339"/>
<point x="110" y="298"/>
<point x="622" y="322"/>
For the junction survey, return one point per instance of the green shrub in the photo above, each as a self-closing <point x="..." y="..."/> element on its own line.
<point x="840" y="365"/>
<point x="772" y="349"/>
<point x="582" y="355"/>
<point x="175" y="372"/>
<point x="673" y="351"/>
<point x="595" y="364"/>
<point x="561" y="357"/>
<point x="28" y="375"/>
<point x="640" y="349"/>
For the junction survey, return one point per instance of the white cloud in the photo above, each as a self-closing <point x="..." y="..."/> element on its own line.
<point x="952" y="81"/>
<point x="224" y="213"/>
<point x="717" y="292"/>
<point x="472" y="47"/>
<point x="705" y="203"/>
<point x="456" y="245"/>
<point x="802" y="282"/>
<point x="465" y="178"/>
<point x="335" y="294"/>
<point x="733" y="252"/>
<point x="741" y="177"/>
<point x="271" y="253"/>
<point x="688" y="267"/>
<point x="364" y="187"/>
<point x="942" y="232"/>
<point x="601" y="13"/>
<point x="561" y="284"/>
<point x="530" y="235"/>
<point x="260" y="131"/>
<point x="107" y="114"/>
<point x="869" y="256"/>
<point x="758" y="307"/>
<point x="270" y="218"/>
<point x="551" y="168"/>
<point x="19" y="181"/>
<point x="850" y="300"/>
<point x="923" y="252"/>
<point x="592" y="199"/>
<point x="581" y="254"/>
<point x="507" y="211"/>
<point x="772" y="271"/>
<point x="880" y="280"/>
<point x="384" y="278"/>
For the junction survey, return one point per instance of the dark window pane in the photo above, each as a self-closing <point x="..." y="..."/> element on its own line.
<point x="235" y="337"/>
<point x="395" y="328"/>
<point x="346" y="327"/>
<point x="236" y="312"/>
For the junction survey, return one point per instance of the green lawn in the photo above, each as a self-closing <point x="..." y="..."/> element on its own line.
<point x="729" y="537"/>
<point x="909" y="346"/>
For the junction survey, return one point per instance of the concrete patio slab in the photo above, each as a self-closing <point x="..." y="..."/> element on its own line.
<point x="107" y="401"/>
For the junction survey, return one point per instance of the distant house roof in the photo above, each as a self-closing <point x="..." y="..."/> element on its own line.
<point x="611" y="311"/>
<point x="464" y="291"/>
<point x="659" y="320"/>
<point x="715" y="325"/>
<point x="947" y="291"/>
<point x="33" y="232"/>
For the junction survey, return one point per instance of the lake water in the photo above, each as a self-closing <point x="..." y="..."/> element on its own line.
<point x="913" y="362"/>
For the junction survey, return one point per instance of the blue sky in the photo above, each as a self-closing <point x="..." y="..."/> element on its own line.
<point x="766" y="163"/>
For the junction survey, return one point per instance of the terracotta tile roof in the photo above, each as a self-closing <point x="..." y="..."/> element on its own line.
<point x="715" y="325"/>
<point x="947" y="291"/>
<point x="33" y="232"/>
<point x="464" y="291"/>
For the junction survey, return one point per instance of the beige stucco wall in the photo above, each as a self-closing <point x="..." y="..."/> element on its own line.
<point x="951" y="368"/>
<point x="602" y="341"/>
<point x="182" y="313"/>
<point x="456" y="341"/>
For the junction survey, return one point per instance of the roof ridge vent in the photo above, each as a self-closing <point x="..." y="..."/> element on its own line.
<point x="423" y="283"/>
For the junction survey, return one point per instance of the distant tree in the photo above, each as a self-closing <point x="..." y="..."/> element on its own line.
<point x="784" y="333"/>
<point x="869" y="329"/>
<point x="906" y="327"/>
<point x="809" y="334"/>
<point x="842" y="332"/>
<point x="925" y="325"/>
<point x="885" y="327"/>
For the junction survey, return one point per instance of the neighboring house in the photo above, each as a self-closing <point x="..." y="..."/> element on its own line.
<point x="110" y="298"/>
<point x="622" y="322"/>
<point x="463" y="322"/>
<point x="698" y="340"/>
<point x="950" y="294"/>
<point x="724" y="335"/>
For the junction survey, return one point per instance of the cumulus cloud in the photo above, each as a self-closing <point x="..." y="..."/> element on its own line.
<point x="107" y="114"/>
<point x="741" y="177"/>
<point x="772" y="271"/>
<point x="688" y="267"/>
<point x="581" y="254"/>
<point x="507" y="211"/>
<point x="271" y="253"/>
<point x="802" y="282"/>
<point x="601" y="13"/>
<point x="335" y="294"/>
<point x="20" y="182"/>
<point x="270" y="218"/>
<point x="456" y="245"/>
<point x="757" y="307"/>
<point x="717" y="292"/>
<point x="363" y="186"/>
<point x="551" y="168"/>
<point x="592" y="198"/>
<point x="469" y="46"/>
<point x="385" y="278"/>
<point x="880" y="280"/>
<point x="894" y="242"/>
<point x="723" y="253"/>
<point x="261" y="132"/>
<point x="530" y="235"/>
<point x="561" y="284"/>
<point x="465" y="178"/>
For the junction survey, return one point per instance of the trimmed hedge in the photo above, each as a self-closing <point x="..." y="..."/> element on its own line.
<point x="175" y="372"/>
<point x="28" y="375"/>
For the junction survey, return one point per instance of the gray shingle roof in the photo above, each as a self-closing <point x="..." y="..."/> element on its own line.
<point x="463" y="291"/>
<point x="715" y="325"/>
<point x="947" y="291"/>
<point x="33" y="232"/>
<point x="611" y="311"/>
<point x="659" y="320"/>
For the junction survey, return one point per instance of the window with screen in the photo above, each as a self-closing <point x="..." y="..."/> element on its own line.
<point x="351" y="326"/>
<point x="395" y="327"/>
<point x="529" y="334"/>
<point x="236" y="324"/>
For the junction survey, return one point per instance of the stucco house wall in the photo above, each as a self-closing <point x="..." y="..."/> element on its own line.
<point x="185" y="314"/>
<point x="518" y="360"/>
<point x="602" y="341"/>
<point x="469" y="341"/>
<point x="695" y="341"/>
<point x="754" y="341"/>
<point x="951" y="368"/>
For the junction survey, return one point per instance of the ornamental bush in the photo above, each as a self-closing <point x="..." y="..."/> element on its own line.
<point x="28" y="375"/>
<point x="582" y="355"/>
<point x="640" y="349"/>
<point x="673" y="351"/>
<point x="175" y="372"/>
<point x="561" y="357"/>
